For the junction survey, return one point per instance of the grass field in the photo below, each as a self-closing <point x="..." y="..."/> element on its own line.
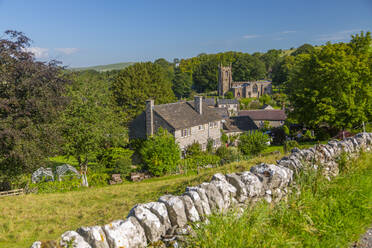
<point x="25" y="219"/>
<point x="325" y="214"/>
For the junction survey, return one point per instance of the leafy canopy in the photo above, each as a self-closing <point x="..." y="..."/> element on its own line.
<point x="332" y="85"/>
<point x="135" y="84"/>
<point x="31" y="96"/>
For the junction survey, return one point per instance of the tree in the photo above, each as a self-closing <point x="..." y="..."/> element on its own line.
<point x="304" y="49"/>
<point x="90" y="123"/>
<point x="31" y="97"/>
<point x="205" y="76"/>
<point x="333" y="85"/>
<point x="280" y="72"/>
<point x="160" y="154"/>
<point x="167" y="67"/>
<point x="182" y="83"/>
<point x="270" y="58"/>
<point x="135" y="84"/>
<point x="247" y="67"/>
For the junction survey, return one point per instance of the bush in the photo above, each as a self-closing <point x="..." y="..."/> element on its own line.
<point x="307" y="136"/>
<point x="117" y="160"/>
<point x="229" y="95"/>
<point x="224" y="138"/>
<point x="210" y="145"/>
<point x="278" y="135"/>
<point x="253" y="143"/>
<point x="200" y="161"/>
<point x="289" y="145"/>
<point x="57" y="186"/>
<point x="227" y="155"/>
<point x="193" y="150"/>
<point x="160" y="154"/>
<point x="98" y="179"/>
<point x="322" y="134"/>
<point x="286" y="130"/>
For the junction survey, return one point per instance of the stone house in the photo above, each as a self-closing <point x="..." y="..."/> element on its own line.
<point x="188" y="122"/>
<point x="232" y="105"/>
<point x="241" y="89"/>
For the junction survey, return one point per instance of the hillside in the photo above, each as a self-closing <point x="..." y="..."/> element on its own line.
<point x="102" y="68"/>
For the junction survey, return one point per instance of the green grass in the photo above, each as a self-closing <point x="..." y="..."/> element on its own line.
<point x="325" y="214"/>
<point x="25" y="219"/>
<point x="102" y="68"/>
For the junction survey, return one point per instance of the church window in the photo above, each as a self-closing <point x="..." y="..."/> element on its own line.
<point x="255" y="88"/>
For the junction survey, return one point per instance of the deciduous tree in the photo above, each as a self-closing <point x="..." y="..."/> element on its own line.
<point x="333" y="85"/>
<point x="31" y="97"/>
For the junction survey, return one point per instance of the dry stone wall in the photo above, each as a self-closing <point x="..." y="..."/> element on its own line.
<point x="167" y="218"/>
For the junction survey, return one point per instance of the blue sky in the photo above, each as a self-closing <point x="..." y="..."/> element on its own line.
<point x="82" y="32"/>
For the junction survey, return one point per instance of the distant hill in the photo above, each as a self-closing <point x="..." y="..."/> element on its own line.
<point x="102" y="68"/>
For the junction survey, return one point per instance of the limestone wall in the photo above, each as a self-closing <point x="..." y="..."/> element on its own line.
<point x="167" y="218"/>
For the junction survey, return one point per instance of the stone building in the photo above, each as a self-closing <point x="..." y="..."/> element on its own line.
<point x="188" y="122"/>
<point x="232" y="105"/>
<point x="275" y="117"/>
<point x="240" y="89"/>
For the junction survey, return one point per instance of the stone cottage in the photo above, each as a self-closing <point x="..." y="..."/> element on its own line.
<point x="187" y="121"/>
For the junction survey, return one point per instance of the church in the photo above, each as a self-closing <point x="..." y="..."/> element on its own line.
<point x="240" y="89"/>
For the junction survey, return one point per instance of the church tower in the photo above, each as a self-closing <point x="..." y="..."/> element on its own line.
<point x="224" y="79"/>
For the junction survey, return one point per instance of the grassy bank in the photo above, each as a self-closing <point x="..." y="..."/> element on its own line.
<point x="24" y="219"/>
<point x="325" y="214"/>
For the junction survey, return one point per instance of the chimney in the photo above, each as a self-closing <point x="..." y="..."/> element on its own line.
<point x="149" y="117"/>
<point x="198" y="104"/>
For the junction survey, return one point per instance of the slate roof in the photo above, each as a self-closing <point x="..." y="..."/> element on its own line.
<point x="239" y="124"/>
<point x="183" y="114"/>
<point x="209" y="101"/>
<point x="227" y="101"/>
<point x="264" y="114"/>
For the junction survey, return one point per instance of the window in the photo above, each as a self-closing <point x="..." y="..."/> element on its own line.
<point x="210" y="124"/>
<point x="255" y="88"/>
<point x="201" y="127"/>
<point x="215" y="124"/>
<point x="186" y="132"/>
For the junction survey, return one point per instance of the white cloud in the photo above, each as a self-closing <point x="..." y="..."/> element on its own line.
<point x="288" y="32"/>
<point x="341" y="35"/>
<point x="251" y="36"/>
<point x="67" y="50"/>
<point x="39" y="52"/>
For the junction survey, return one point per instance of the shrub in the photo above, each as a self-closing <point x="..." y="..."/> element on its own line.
<point x="307" y="136"/>
<point x="227" y="155"/>
<point x="224" y="138"/>
<point x="229" y="95"/>
<point x="98" y="179"/>
<point x="289" y="145"/>
<point x="322" y="134"/>
<point x="200" y="161"/>
<point x="160" y="154"/>
<point x="57" y="186"/>
<point x="253" y="143"/>
<point x="286" y="130"/>
<point x="193" y="150"/>
<point x="117" y="160"/>
<point x="278" y="135"/>
<point x="210" y="145"/>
